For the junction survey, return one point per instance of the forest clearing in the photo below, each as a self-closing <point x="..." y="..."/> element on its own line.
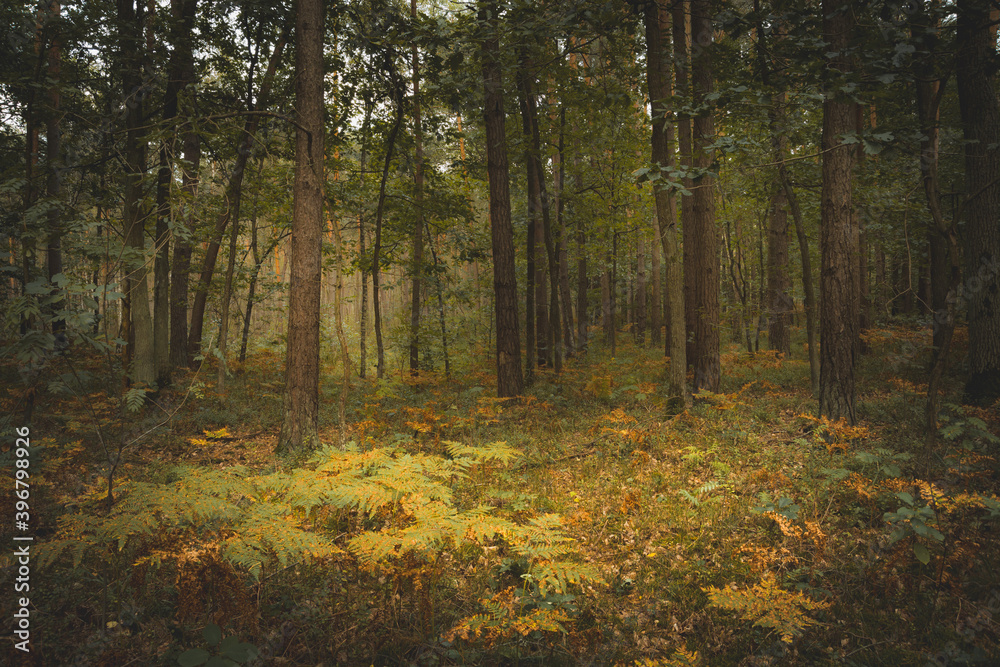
<point x="500" y="332"/>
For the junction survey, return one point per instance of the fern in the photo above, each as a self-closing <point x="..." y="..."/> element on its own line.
<point x="769" y="606"/>
<point x="557" y="575"/>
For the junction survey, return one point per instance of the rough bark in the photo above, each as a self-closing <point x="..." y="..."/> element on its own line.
<point x="682" y="62"/>
<point x="300" y="423"/>
<point x="701" y="233"/>
<point x="140" y="341"/>
<point x="976" y="63"/>
<point x="508" y="351"/>
<point x="658" y="83"/>
<point x="838" y="242"/>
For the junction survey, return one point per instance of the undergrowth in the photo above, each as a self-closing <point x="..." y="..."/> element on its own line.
<point x="588" y="523"/>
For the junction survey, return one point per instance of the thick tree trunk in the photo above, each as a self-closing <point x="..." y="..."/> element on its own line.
<point x="300" y="423"/>
<point x="704" y="275"/>
<point x="509" y="378"/>
<point x="976" y="62"/>
<point x="658" y="83"/>
<point x="838" y="283"/>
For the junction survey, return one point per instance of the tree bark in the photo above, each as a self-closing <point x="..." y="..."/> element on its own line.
<point x="140" y="341"/>
<point x="300" y="423"/>
<point x="418" y="233"/>
<point x="508" y="351"/>
<point x="779" y="302"/>
<point x="838" y="284"/>
<point x="976" y="62"/>
<point x="377" y="247"/>
<point x="181" y="28"/>
<point x="53" y="152"/>
<point x="682" y="63"/>
<point x="703" y="239"/>
<point x="658" y="83"/>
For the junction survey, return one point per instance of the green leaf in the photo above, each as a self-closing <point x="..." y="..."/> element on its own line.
<point x="922" y="554"/>
<point x="193" y="657"/>
<point x="212" y="634"/>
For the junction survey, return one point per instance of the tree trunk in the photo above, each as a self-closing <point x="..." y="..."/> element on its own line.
<point x="509" y="378"/>
<point x="838" y="284"/>
<point x="640" y="291"/>
<point x="682" y="62"/>
<point x="559" y="180"/>
<point x="140" y="342"/>
<point x="981" y="128"/>
<point x="779" y="303"/>
<point x="300" y="423"/>
<point x="230" y="211"/>
<point x="418" y="233"/>
<point x="53" y="151"/>
<point x="182" y="26"/>
<point x="549" y="332"/>
<point x="377" y="248"/>
<point x="704" y="275"/>
<point x="227" y="297"/>
<point x="362" y="236"/>
<point x="181" y="268"/>
<point x="656" y="281"/>
<point x="658" y="83"/>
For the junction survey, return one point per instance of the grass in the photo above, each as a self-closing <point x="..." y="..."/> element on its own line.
<point x="742" y="531"/>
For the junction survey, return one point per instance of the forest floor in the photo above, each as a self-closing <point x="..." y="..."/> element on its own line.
<point x="742" y="531"/>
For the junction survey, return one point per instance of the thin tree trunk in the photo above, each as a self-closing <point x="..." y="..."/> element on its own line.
<point x="942" y="237"/>
<point x="300" y="423"/>
<point x="656" y="282"/>
<point x="440" y="300"/>
<point x="181" y="268"/>
<point x="418" y="234"/>
<point x="227" y="297"/>
<point x="779" y="303"/>
<point x="559" y="178"/>
<point x="53" y="138"/>
<point x="362" y="236"/>
<point x="182" y="25"/>
<point x="377" y="249"/>
<point x="140" y="341"/>
<point x="509" y="378"/>
<point x="230" y="211"/>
